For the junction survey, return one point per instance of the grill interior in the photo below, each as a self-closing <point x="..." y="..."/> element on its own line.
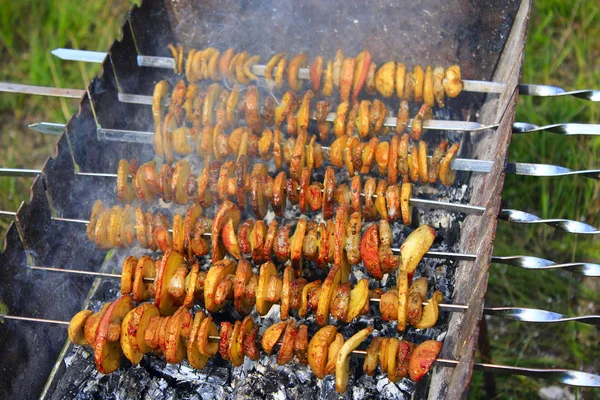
<point x="486" y="40"/>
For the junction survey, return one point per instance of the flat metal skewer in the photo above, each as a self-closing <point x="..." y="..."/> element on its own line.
<point x="441" y="125"/>
<point x="517" y="313"/>
<point x="565" y="376"/>
<point x="458" y="164"/>
<point x="469" y="85"/>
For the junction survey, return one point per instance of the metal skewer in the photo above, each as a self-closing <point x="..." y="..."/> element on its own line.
<point x="442" y="125"/>
<point x="565" y="376"/>
<point x="516" y="313"/>
<point x="525" y="262"/>
<point x="458" y="164"/>
<point x="469" y="85"/>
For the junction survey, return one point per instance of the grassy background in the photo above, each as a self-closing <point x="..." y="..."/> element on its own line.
<point x="562" y="49"/>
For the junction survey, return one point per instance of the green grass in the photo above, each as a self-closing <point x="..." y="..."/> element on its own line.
<point x="28" y="31"/>
<point x="562" y="49"/>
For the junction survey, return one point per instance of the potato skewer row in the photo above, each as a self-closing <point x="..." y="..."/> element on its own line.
<point x="173" y="284"/>
<point x="218" y="106"/>
<point x="230" y="181"/>
<point x="347" y="74"/>
<point x="347" y="150"/>
<point x="120" y="329"/>
<point x="336" y="241"/>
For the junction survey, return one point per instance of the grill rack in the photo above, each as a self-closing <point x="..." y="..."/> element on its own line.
<point x="39" y="190"/>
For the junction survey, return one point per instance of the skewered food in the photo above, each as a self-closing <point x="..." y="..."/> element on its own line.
<point x="173" y="284"/>
<point x="335" y="240"/>
<point x="347" y="74"/>
<point x="137" y="331"/>
<point x="227" y="180"/>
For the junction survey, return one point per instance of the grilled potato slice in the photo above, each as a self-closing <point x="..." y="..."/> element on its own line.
<point x="430" y="312"/>
<point x="195" y="358"/>
<point x="137" y="326"/>
<point x="342" y="365"/>
<point x="272" y="335"/>
<point x="415" y="246"/>
<point x="359" y="297"/>
<point x="169" y="264"/>
<point x="107" y="355"/>
<point x="332" y="353"/>
<point x="333" y="279"/>
<point x="127" y="275"/>
<point x="76" y="327"/>
<point x="318" y="349"/>
<point x="422" y="357"/>
<point x="175" y="344"/>
<point x="372" y="358"/>
<point x="216" y="274"/>
<point x="384" y="79"/>
<point x="206" y="346"/>
<point x="267" y="270"/>
<point x="286" y="352"/>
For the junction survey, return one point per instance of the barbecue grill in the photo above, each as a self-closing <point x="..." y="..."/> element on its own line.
<point x="115" y="122"/>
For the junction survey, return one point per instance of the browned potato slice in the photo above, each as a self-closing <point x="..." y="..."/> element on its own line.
<point x="272" y="335"/>
<point x="402" y="282"/>
<point x="423" y="171"/>
<point x="428" y="97"/>
<point x="195" y="358"/>
<point x="230" y="240"/>
<point x="228" y="210"/>
<point x="107" y="355"/>
<point x="372" y="358"/>
<point x="206" y="346"/>
<point x="145" y="268"/>
<point x="422" y="357"/>
<point x="178" y="235"/>
<point x="242" y="276"/>
<point x="216" y="274"/>
<point x="369" y="251"/>
<point x="430" y="311"/>
<point x="415" y="246"/>
<point x="332" y="280"/>
<point x="384" y="79"/>
<point x="352" y="242"/>
<point x="127" y="275"/>
<point x="169" y="264"/>
<point x="91" y="324"/>
<point x="340" y="302"/>
<point x="438" y="86"/>
<point x="342" y="365"/>
<point x="453" y="83"/>
<point x="392" y="359"/>
<point x="359" y="296"/>
<point x="296" y="245"/>
<point x="332" y="353"/>
<point x="405" y="206"/>
<point x="126" y="340"/>
<point x="180" y="175"/>
<point x="235" y="351"/>
<point x="267" y="270"/>
<point x="301" y="344"/>
<point x="175" y="344"/>
<point x="288" y="276"/>
<point x="76" y="327"/>
<point x="318" y="348"/>
<point x="138" y="325"/>
<point x="388" y="306"/>
<point x="286" y="352"/>
<point x="306" y="290"/>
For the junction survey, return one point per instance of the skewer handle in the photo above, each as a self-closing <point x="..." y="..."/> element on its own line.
<point x="567" y="225"/>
